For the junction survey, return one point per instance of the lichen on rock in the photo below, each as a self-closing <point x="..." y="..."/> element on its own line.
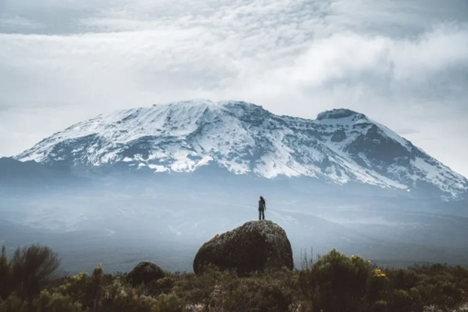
<point x="254" y="246"/>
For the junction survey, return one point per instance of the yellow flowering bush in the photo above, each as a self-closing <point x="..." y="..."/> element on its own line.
<point x="379" y="273"/>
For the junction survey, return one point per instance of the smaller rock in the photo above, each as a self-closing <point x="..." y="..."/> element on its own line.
<point x="145" y="273"/>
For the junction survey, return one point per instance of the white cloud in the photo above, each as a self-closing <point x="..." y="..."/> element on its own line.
<point x="403" y="63"/>
<point x="18" y="22"/>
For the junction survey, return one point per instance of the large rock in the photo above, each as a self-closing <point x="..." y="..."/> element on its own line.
<point x="145" y="273"/>
<point x="254" y="246"/>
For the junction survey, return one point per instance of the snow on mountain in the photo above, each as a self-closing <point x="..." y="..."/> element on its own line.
<point x="340" y="146"/>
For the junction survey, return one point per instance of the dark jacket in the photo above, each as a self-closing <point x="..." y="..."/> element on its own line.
<point x="261" y="205"/>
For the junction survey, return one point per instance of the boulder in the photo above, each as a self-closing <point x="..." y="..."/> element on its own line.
<point x="145" y="273"/>
<point x="252" y="247"/>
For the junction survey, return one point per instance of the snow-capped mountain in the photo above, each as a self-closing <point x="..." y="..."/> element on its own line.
<point x="339" y="146"/>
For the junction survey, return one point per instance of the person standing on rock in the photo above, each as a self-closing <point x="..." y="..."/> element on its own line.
<point x="261" y="208"/>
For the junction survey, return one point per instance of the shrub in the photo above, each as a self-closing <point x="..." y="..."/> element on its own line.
<point x="337" y="282"/>
<point x="169" y="303"/>
<point x="379" y="306"/>
<point x="83" y="288"/>
<point x="5" y="277"/>
<point x="55" y="302"/>
<point x="13" y="303"/>
<point x="258" y="295"/>
<point x="404" y="278"/>
<point x="119" y="297"/>
<point x="31" y="268"/>
<point x="199" y="288"/>
<point x="161" y="286"/>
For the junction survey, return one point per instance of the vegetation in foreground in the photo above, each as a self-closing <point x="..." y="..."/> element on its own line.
<point x="333" y="283"/>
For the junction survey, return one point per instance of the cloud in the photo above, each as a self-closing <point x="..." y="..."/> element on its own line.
<point x="18" y="22"/>
<point x="402" y="63"/>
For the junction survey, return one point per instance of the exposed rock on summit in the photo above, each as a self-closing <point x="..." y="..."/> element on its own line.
<point x="254" y="246"/>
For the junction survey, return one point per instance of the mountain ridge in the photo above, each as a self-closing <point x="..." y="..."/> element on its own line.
<point x="339" y="146"/>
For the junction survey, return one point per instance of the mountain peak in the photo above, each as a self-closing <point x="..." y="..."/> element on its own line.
<point x="193" y="102"/>
<point x="341" y="145"/>
<point x="339" y="113"/>
<point x="240" y="109"/>
<point x="207" y="102"/>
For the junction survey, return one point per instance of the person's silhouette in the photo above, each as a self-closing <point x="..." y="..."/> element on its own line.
<point x="261" y="208"/>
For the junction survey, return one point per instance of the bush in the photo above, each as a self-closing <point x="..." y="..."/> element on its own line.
<point x="199" y="289"/>
<point x="216" y="290"/>
<point x="83" y="288"/>
<point x="55" y="302"/>
<point x="161" y="286"/>
<point x="337" y="282"/>
<point x="29" y="271"/>
<point x="14" y="303"/>
<point x="119" y="297"/>
<point x="46" y="302"/>
<point x="379" y="306"/>
<point x="258" y="295"/>
<point x="404" y="279"/>
<point x="5" y="277"/>
<point x="169" y="303"/>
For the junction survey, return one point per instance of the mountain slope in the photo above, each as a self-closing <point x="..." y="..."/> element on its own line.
<point x="340" y="146"/>
<point x="14" y="173"/>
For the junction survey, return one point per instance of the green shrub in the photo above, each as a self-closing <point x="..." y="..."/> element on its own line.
<point x="379" y="306"/>
<point x="404" y="278"/>
<point x="5" y="278"/>
<point x="84" y="289"/>
<point x="337" y="283"/>
<point x="14" y="303"/>
<point x="31" y="268"/>
<point x="199" y="288"/>
<point x="169" y="303"/>
<point x="161" y="286"/>
<point x="401" y="301"/>
<point x="334" y="283"/>
<point x="120" y="297"/>
<point x="55" y="302"/>
<point x="258" y="295"/>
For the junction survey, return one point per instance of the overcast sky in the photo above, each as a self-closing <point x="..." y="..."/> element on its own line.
<point x="403" y="63"/>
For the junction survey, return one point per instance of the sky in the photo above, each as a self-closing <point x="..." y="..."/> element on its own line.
<point x="403" y="63"/>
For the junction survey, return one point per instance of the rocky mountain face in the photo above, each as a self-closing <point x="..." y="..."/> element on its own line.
<point x="340" y="146"/>
<point x="254" y="246"/>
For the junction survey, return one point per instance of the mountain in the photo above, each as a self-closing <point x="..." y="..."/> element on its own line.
<point x="30" y="173"/>
<point x="340" y="146"/>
